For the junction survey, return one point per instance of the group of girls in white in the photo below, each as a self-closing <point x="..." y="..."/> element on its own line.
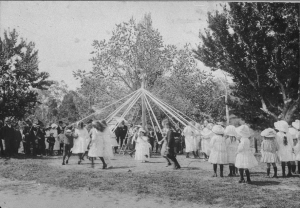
<point x="281" y="147"/>
<point x="97" y="143"/>
<point x="225" y="149"/>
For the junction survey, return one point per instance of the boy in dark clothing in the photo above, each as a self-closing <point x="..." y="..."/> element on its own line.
<point x="51" y="141"/>
<point x="68" y="145"/>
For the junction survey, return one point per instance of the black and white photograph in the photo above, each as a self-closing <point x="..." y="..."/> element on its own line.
<point x="149" y="104"/>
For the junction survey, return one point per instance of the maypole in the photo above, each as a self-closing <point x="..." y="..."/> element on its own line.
<point x="143" y="105"/>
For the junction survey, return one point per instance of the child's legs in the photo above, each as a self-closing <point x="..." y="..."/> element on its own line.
<point x="274" y="165"/>
<point x="269" y="165"/>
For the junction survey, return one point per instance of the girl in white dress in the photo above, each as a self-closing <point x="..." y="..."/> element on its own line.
<point x="142" y="147"/>
<point x="244" y="158"/>
<point x="296" y="126"/>
<point x="81" y="137"/>
<point x="294" y="134"/>
<point x="197" y="139"/>
<point x="107" y="141"/>
<point x="285" y="144"/>
<point x="188" y="133"/>
<point x="232" y="145"/>
<point x="96" y="146"/>
<point x="269" y="147"/>
<point x="218" y="154"/>
<point x="206" y="135"/>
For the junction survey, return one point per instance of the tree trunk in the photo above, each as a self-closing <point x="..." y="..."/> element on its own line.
<point x="288" y="115"/>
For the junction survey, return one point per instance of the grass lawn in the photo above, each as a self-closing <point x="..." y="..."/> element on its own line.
<point x="193" y="183"/>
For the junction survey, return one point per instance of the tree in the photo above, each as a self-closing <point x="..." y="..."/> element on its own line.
<point x="19" y="76"/>
<point x="67" y="111"/>
<point x="258" y="45"/>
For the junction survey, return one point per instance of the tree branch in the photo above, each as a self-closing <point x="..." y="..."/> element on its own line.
<point x="265" y="109"/>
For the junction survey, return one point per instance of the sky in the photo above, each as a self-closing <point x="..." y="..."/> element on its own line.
<point x="64" y="31"/>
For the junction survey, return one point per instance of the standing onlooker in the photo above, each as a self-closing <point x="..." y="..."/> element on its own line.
<point x="158" y="138"/>
<point x="8" y="135"/>
<point x="1" y="139"/>
<point x="51" y="142"/>
<point x="60" y="130"/>
<point x="18" y="138"/>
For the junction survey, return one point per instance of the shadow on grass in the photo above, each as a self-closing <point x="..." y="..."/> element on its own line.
<point x="265" y="183"/>
<point x="122" y="167"/>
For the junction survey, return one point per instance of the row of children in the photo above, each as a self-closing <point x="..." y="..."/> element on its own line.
<point x="232" y="146"/>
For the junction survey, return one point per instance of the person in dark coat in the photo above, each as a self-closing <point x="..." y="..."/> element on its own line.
<point x="33" y="139"/>
<point x="60" y="130"/>
<point x="1" y="140"/>
<point x="41" y="141"/>
<point x="171" y="145"/>
<point x="26" y="142"/>
<point x="177" y="134"/>
<point x="8" y="133"/>
<point x="121" y="132"/>
<point x="158" y="138"/>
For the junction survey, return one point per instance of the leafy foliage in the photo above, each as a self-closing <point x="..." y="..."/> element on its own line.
<point x="258" y="45"/>
<point x="19" y="76"/>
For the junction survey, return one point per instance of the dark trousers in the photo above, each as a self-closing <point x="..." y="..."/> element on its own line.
<point x="157" y="146"/>
<point x="177" y="148"/>
<point x="8" y="147"/>
<point x="41" y="148"/>
<point x="121" y="138"/>
<point x="171" y="155"/>
<point x="51" y="146"/>
<point x="1" y="148"/>
<point x="152" y="143"/>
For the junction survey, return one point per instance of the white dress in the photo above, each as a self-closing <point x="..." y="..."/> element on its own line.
<point x="197" y="140"/>
<point x="218" y="154"/>
<point x="107" y="142"/>
<point x="47" y="135"/>
<point x="268" y="151"/>
<point x="189" y="139"/>
<point x="142" y="149"/>
<point x="80" y="145"/>
<point x="206" y="142"/>
<point x="285" y="152"/>
<point x="297" y="151"/>
<point x="245" y="157"/>
<point x="231" y="150"/>
<point x="97" y="144"/>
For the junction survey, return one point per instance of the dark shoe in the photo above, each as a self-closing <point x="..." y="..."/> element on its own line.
<point x="214" y="175"/>
<point x="79" y="162"/>
<point x="242" y="181"/>
<point x="248" y="182"/>
<point x="104" y="166"/>
<point x="63" y="163"/>
<point x="169" y="164"/>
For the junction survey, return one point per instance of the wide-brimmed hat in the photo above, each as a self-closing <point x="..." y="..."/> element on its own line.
<point x="53" y="125"/>
<point x="218" y="129"/>
<point x="296" y="124"/>
<point x="269" y="132"/>
<point x="282" y="126"/>
<point x="68" y="131"/>
<point x="230" y="131"/>
<point x="293" y="132"/>
<point x="243" y="131"/>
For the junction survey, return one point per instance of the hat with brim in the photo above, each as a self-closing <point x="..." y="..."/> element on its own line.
<point x="281" y="126"/>
<point x="230" y="131"/>
<point x="243" y="131"/>
<point x="68" y="131"/>
<point x="218" y="129"/>
<point x="296" y="124"/>
<point x="293" y="132"/>
<point x="53" y="126"/>
<point x="269" y="132"/>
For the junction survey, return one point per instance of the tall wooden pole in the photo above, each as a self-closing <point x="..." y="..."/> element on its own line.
<point x="143" y="106"/>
